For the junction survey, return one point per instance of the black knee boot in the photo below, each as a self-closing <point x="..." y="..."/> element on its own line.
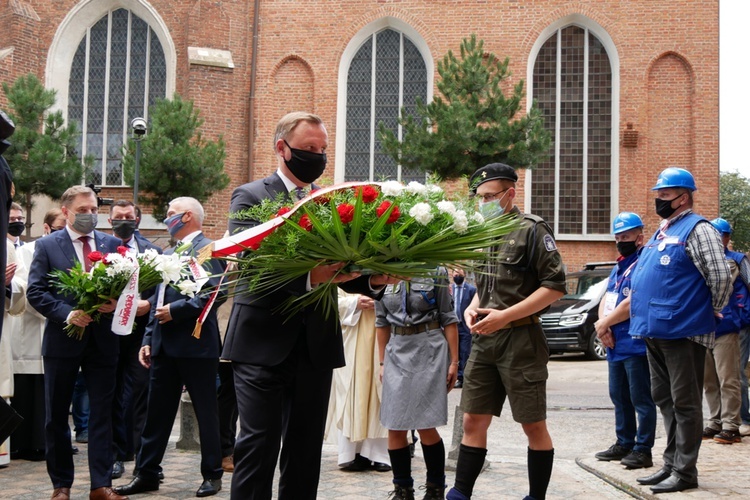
<point x="402" y="480"/>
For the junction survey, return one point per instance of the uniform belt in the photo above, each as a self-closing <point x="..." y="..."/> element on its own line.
<point x="411" y="330"/>
<point x="528" y="320"/>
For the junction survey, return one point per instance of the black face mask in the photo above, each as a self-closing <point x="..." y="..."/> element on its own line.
<point x="458" y="280"/>
<point x="123" y="228"/>
<point x="305" y="165"/>
<point x="15" y="229"/>
<point x="664" y="207"/>
<point x="626" y="248"/>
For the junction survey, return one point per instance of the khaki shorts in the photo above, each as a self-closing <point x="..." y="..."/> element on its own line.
<point x="510" y="363"/>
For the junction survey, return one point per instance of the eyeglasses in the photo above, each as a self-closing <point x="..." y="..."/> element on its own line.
<point x="489" y="197"/>
<point x="17" y="219"/>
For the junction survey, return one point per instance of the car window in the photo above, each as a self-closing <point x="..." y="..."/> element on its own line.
<point x="587" y="287"/>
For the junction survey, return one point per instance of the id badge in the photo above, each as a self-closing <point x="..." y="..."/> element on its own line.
<point x="610" y="301"/>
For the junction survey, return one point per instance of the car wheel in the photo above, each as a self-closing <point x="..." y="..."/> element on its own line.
<point x="596" y="350"/>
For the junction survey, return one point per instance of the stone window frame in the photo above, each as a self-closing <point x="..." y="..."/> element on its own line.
<point x="75" y="27"/>
<point x="590" y="27"/>
<point x="351" y="50"/>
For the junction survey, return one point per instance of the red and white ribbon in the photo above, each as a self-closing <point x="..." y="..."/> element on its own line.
<point x="127" y="306"/>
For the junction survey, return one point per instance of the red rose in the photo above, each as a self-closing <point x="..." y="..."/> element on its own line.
<point x="305" y="223"/>
<point x="369" y="193"/>
<point x="96" y="256"/>
<point x="282" y="211"/>
<point x="346" y="212"/>
<point x="122" y="250"/>
<point x="383" y="208"/>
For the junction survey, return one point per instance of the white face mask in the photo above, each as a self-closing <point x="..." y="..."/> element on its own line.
<point x="492" y="208"/>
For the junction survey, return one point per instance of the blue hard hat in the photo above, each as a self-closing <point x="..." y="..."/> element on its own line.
<point x="625" y="222"/>
<point x="722" y="225"/>
<point x="675" y="177"/>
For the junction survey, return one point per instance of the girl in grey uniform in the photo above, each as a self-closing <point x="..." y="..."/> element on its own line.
<point x="418" y="346"/>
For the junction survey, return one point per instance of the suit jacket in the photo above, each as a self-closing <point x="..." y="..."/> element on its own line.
<point x="6" y="180"/>
<point x="56" y="252"/>
<point x="467" y="294"/>
<point x="258" y="335"/>
<point x="175" y="338"/>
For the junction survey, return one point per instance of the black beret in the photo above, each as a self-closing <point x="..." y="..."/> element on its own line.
<point x="491" y="172"/>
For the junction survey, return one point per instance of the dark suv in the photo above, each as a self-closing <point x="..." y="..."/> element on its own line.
<point x="569" y="322"/>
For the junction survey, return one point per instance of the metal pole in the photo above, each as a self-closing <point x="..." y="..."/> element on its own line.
<point x="137" y="169"/>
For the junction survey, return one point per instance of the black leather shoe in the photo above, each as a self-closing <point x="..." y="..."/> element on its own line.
<point x="381" y="467"/>
<point x="655" y="478"/>
<point x="137" y="485"/>
<point x="672" y="484"/>
<point x="117" y="469"/>
<point x="209" y="487"/>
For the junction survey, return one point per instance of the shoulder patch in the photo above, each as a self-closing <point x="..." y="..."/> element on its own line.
<point x="549" y="243"/>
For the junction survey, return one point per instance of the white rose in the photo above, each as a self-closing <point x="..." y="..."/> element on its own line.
<point x="422" y="212"/>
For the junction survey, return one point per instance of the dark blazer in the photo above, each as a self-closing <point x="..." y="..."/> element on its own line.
<point x="175" y="338"/>
<point x="468" y="293"/>
<point x="56" y="252"/>
<point x="258" y="335"/>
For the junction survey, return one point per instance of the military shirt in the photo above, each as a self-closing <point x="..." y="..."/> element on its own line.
<point x="525" y="260"/>
<point x="421" y="300"/>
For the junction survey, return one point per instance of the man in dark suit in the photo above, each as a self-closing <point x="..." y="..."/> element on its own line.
<point x="129" y="408"/>
<point x="463" y="292"/>
<point x="95" y="354"/>
<point x="176" y="358"/>
<point x="283" y="364"/>
<point x="7" y="127"/>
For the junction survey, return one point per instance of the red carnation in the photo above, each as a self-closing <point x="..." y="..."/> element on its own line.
<point x="305" y="223"/>
<point x="122" y="250"/>
<point x="346" y="212"/>
<point x="383" y="208"/>
<point x="369" y="193"/>
<point x="282" y="211"/>
<point x="96" y="256"/>
<point x="320" y="200"/>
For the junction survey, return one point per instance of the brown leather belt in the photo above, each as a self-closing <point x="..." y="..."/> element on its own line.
<point x="528" y="320"/>
<point x="411" y="330"/>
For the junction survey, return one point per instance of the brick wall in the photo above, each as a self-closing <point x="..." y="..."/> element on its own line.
<point x="668" y="53"/>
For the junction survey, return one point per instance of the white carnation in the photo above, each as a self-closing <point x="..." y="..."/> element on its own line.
<point x="434" y="189"/>
<point x="392" y="188"/>
<point x="422" y="212"/>
<point x="447" y="207"/>
<point x="478" y="218"/>
<point x="460" y="222"/>
<point x="415" y="187"/>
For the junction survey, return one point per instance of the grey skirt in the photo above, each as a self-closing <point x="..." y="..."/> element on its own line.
<point x="415" y="369"/>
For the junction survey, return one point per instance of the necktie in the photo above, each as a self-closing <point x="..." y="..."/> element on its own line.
<point x="86" y="251"/>
<point x="457" y="298"/>
<point x="299" y="192"/>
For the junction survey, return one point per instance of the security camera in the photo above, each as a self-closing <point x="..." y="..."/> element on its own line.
<point x="139" y="126"/>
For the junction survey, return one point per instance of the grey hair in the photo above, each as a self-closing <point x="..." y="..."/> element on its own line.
<point x="290" y="121"/>
<point x="191" y="204"/>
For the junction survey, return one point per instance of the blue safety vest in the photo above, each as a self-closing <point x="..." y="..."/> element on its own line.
<point x="670" y="298"/>
<point x="619" y="282"/>
<point x="737" y="311"/>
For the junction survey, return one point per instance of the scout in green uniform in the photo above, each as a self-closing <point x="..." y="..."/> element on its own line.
<point x="509" y="354"/>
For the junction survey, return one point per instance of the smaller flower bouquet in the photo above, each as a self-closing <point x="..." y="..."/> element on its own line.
<point x="384" y="228"/>
<point x="122" y="275"/>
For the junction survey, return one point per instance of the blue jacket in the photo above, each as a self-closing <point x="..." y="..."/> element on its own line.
<point x="670" y="299"/>
<point x="736" y="313"/>
<point x="619" y="283"/>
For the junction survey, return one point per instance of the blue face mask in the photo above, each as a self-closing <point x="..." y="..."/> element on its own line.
<point x="174" y="224"/>
<point x="491" y="209"/>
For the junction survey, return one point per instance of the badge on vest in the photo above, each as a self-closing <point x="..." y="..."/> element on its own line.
<point x="549" y="243"/>
<point x="665" y="260"/>
<point x="625" y="291"/>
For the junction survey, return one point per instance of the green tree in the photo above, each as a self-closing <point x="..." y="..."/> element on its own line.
<point x="470" y="123"/>
<point x="176" y="160"/>
<point x="734" y="206"/>
<point x="43" y="154"/>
